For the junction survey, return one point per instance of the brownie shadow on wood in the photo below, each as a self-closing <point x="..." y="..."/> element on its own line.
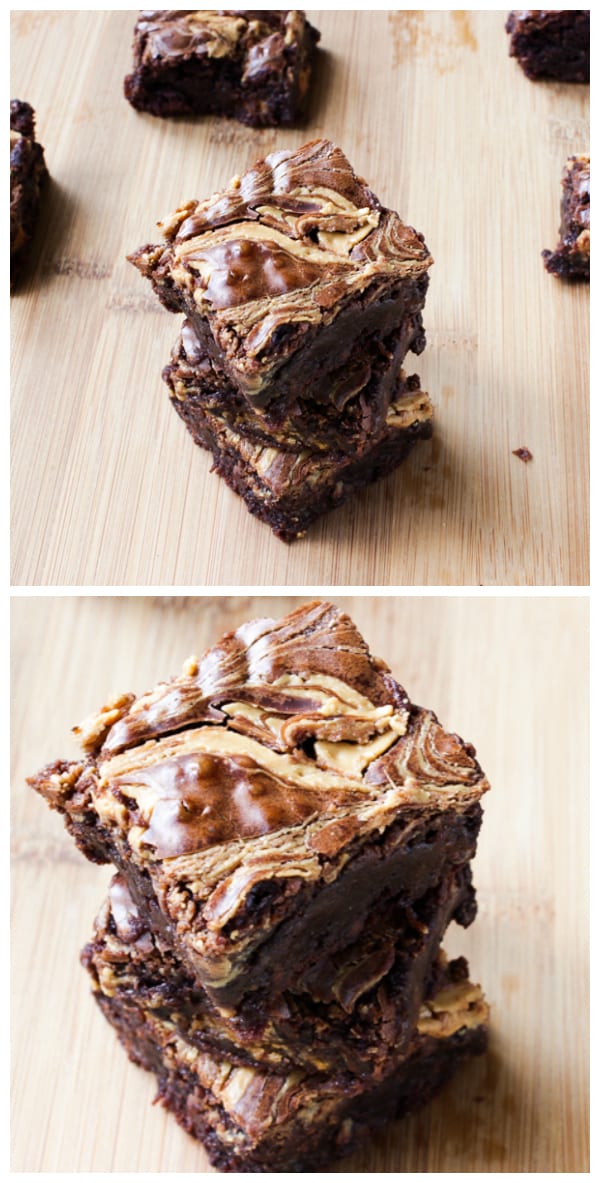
<point x="50" y="249"/>
<point x="323" y="83"/>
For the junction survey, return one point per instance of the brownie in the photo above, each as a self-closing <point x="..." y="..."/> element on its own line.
<point x="250" y="1119"/>
<point x="253" y="66"/>
<point x="295" y="279"/>
<point x="269" y="805"/>
<point x="27" y="174"/>
<point x="551" y="43"/>
<point x="571" y="258"/>
<point x="356" y="1016"/>
<point x="286" y="489"/>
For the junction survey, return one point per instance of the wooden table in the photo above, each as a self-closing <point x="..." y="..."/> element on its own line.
<point x="108" y="487"/>
<point x="510" y="674"/>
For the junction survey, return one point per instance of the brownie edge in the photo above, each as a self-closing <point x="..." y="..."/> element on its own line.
<point x="571" y="257"/>
<point x="553" y="44"/>
<point x="27" y="174"/>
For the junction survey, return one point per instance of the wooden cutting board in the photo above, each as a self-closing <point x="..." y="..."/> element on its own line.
<point x="108" y="487"/>
<point x="511" y="676"/>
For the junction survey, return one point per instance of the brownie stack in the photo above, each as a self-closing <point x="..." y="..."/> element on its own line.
<point x="302" y="296"/>
<point x="292" y="837"/>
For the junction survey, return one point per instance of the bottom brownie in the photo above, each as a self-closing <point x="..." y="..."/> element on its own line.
<point x="571" y="258"/>
<point x="291" y="489"/>
<point x="250" y="1119"/>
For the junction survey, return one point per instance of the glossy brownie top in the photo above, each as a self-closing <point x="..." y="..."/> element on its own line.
<point x="283" y="250"/>
<point x="259" y="37"/>
<point x="284" y="730"/>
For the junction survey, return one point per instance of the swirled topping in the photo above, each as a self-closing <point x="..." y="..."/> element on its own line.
<point x="282" y="471"/>
<point x="288" y="729"/>
<point x="186" y="34"/>
<point x="312" y="664"/>
<point x="426" y="755"/>
<point x="282" y="250"/>
<point x="180" y="34"/>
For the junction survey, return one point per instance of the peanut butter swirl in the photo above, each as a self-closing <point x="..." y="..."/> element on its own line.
<point x="283" y="250"/>
<point x="289" y="734"/>
<point x="178" y="34"/>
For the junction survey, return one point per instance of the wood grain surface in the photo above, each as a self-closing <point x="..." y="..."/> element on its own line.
<point x="107" y="486"/>
<point x="510" y="674"/>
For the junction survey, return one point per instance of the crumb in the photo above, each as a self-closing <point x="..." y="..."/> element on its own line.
<point x="524" y="454"/>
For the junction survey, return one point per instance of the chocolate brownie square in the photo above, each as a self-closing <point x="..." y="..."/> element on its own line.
<point x="252" y="66"/>
<point x="297" y="283"/>
<point x="571" y="257"/>
<point x="27" y="174"/>
<point x="551" y="43"/>
<point x="273" y="804"/>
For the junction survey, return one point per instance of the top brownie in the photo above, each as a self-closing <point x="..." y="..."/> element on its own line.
<point x="273" y="802"/>
<point x="293" y="272"/>
<point x="551" y="43"/>
<point x="253" y="66"/>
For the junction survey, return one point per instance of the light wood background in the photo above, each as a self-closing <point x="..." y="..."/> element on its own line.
<point x="108" y="488"/>
<point x="510" y="674"/>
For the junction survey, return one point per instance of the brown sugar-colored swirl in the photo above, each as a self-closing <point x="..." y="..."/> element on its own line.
<point x="426" y="754"/>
